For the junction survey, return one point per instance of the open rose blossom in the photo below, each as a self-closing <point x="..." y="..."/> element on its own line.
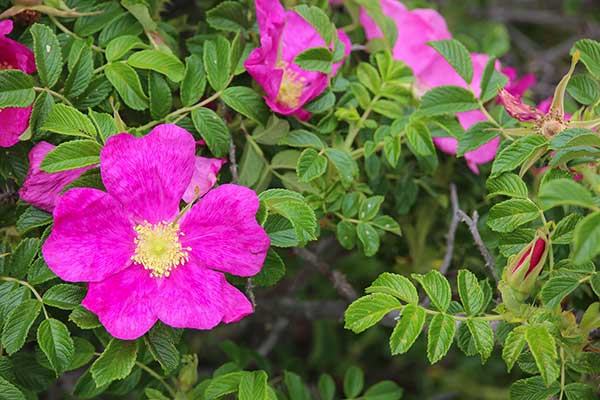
<point x="42" y="189"/>
<point x="284" y="35"/>
<point x="144" y="259"/>
<point x="13" y="55"/>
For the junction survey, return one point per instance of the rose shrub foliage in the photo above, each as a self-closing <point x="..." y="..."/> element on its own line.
<point x="156" y="177"/>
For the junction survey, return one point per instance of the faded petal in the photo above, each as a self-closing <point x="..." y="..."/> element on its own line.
<point x="517" y="109"/>
<point x="223" y="233"/>
<point x="43" y="189"/>
<point x="204" y="178"/>
<point x="124" y="302"/>
<point x="13" y="123"/>
<point x="91" y="239"/>
<point x="149" y="175"/>
<point x="197" y="297"/>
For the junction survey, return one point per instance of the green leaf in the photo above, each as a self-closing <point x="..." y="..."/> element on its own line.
<point x="586" y="243"/>
<point x="116" y="362"/>
<point x="293" y="207"/>
<point x="161" y="342"/>
<point x="419" y="140"/>
<point x="369" y="77"/>
<point x="492" y="80"/>
<point x="119" y="46"/>
<point x="513" y="346"/>
<point x="563" y="233"/>
<point x="315" y="59"/>
<point x="590" y="55"/>
<point x="247" y="102"/>
<point x="507" y="184"/>
<point x="16" y="89"/>
<point x="557" y="288"/>
<point x="595" y="283"/>
<point x="368" y="237"/>
<point x="159" y="94"/>
<point x="543" y="348"/>
<point x="64" y="296"/>
<point x="395" y="285"/>
<point x="272" y="271"/>
<point x="68" y="121"/>
<point x="369" y="208"/>
<point x="41" y="108"/>
<point x="84" y="352"/>
<point x="56" y="343"/>
<point x="437" y="288"/>
<point x="253" y="386"/>
<point x="217" y="62"/>
<point x="194" y="81"/>
<point x="516" y="153"/>
<point x="369" y="310"/>
<point x="346" y="234"/>
<point x="48" y="55"/>
<point x="407" y="329"/>
<point x="127" y="83"/>
<point x="483" y="337"/>
<point x="17" y="325"/>
<point x="271" y="134"/>
<point x="448" y="99"/>
<point x="311" y="165"/>
<point x="344" y="164"/>
<point x="159" y="61"/>
<point x="559" y="192"/>
<point x="583" y="89"/>
<point x="392" y="146"/>
<point x="469" y="291"/>
<point x="32" y="218"/>
<point x="318" y="19"/>
<point x="86" y="388"/>
<point x="580" y="391"/>
<point x="354" y="381"/>
<point x="224" y="384"/>
<point x="457" y="56"/>
<point x="8" y="391"/>
<point x="81" y="69"/>
<point x="71" y="155"/>
<point x="476" y="136"/>
<point x="84" y="318"/>
<point x="23" y="256"/>
<point x="228" y="16"/>
<point x="532" y="389"/>
<point x="384" y="390"/>
<point x="326" y="387"/>
<point x="213" y="130"/>
<point x="439" y="337"/>
<point x="386" y="223"/>
<point x="302" y="138"/>
<point x="510" y="214"/>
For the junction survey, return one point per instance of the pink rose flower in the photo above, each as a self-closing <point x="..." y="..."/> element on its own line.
<point x="13" y="55"/>
<point x="144" y="261"/>
<point x="518" y="86"/>
<point x="284" y="35"/>
<point x="43" y="189"/>
<point x="204" y="177"/>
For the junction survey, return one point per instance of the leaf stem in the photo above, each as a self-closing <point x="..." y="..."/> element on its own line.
<point x="53" y="93"/>
<point x="356" y="128"/>
<point x="27" y="285"/>
<point x="156" y="376"/>
<point x="66" y="30"/>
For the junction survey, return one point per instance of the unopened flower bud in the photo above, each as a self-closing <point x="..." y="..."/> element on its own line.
<point x="517" y="109"/>
<point x="523" y="269"/>
<point x="188" y="375"/>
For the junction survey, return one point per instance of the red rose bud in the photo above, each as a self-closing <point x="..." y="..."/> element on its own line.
<point x="517" y="109"/>
<point x="524" y="268"/>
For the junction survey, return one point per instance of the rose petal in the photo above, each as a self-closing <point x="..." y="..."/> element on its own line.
<point x="123" y="302"/>
<point x="223" y="233"/>
<point x="149" y="175"/>
<point x="14" y="53"/>
<point x="13" y="122"/>
<point x="204" y="178"/>
<point x="43" y="189"/>
<point x="196" y="297"/>
<point x="91" y="238"/>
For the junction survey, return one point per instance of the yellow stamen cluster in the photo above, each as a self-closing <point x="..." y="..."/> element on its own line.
<point x="158" y="248"/>
<point x="291" y="87"/>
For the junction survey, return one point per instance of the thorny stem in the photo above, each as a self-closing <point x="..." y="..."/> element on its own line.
<point x="27" y="285"/>
<point x="53" y="93"/>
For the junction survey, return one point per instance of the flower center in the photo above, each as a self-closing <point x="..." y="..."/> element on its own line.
<point x="291" y="87"/>
<point x="158" y="248"/>
<point x="5" y="65"/>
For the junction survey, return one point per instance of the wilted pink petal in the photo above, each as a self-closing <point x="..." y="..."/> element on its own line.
<point x="517" y="109"/>
<point x="40" y="188"/>
<point x="284" y="35"/>
<point x="204" y="178"/>
<point x="13" y="55"/>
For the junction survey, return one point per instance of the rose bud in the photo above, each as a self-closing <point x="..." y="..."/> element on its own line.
<point x="523" y="269"/>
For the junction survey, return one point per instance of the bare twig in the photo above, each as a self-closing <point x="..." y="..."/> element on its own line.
<point x="271" y="340"/>
<point x="232" y="163"/>
<point x="472" y="224"/>
<point x="340" y="283"/>
<point x="450" y="236"/>
<point x="250" y="292"/>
